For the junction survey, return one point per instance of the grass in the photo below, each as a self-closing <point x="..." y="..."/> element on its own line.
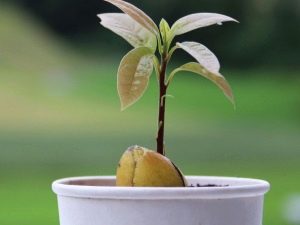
<point x="46" y="134"/>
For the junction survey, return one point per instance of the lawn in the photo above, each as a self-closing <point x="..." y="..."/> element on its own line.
<point x="55" y="126"/>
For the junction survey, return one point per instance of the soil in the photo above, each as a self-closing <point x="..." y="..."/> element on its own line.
<point x="208" y="185"/>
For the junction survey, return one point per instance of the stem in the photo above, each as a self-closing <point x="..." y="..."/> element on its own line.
<point x="162" y="103"/>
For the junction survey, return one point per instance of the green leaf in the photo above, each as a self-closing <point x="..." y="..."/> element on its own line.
<point x="203" y="55"/>
<point x="216" y="78"/>
<point x="164" y="30"/>
<point x="129" y="29"/>
<point x="133" y="75"/>
<point x="136" y="14"/>
<point x="198" y="20"/>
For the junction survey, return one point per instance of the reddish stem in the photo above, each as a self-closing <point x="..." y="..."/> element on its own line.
<point x="162" y="103"/>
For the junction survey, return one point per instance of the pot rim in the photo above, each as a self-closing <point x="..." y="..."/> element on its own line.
<point x="238" y="187"/>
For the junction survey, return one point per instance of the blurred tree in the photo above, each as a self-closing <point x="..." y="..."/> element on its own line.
<point x="268" y="34"/>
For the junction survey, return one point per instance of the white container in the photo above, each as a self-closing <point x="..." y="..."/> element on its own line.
<point x="97" y="201"/>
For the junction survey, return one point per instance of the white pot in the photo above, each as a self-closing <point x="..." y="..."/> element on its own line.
<point x="97" y="201"/>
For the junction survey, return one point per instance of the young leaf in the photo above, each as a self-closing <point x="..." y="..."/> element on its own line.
<point x="129" y="29"/>
<point x="136" y="14"/>
<point x="198" y="20"/>
<point x="217" y="78"/>
<point x="203" y="55"/>
<point x="133" y="75"/>
<point x="165" y="31"/>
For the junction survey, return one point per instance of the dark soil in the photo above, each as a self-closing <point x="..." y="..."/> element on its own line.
<point x="208" y="185"/>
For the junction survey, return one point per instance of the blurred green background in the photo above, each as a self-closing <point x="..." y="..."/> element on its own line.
<point x="60" y="113"/>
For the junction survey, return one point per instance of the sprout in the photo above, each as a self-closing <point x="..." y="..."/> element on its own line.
<point x="136" y="67"/>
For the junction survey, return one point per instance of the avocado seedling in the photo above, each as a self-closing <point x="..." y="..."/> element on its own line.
<point x="153" y="50"/>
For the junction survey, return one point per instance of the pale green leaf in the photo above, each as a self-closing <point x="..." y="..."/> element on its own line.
<point x="133" y="75"/>
<point x="216" y="77"/>
<point x="203" y="55"/>
<point x="198" y="20"/>
<point x="164" y="30"/>
<point x="129" y="29"/>
<point x="136" y="14"/>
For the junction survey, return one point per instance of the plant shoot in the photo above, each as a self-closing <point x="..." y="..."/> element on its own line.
<point x="152" y="50"/>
